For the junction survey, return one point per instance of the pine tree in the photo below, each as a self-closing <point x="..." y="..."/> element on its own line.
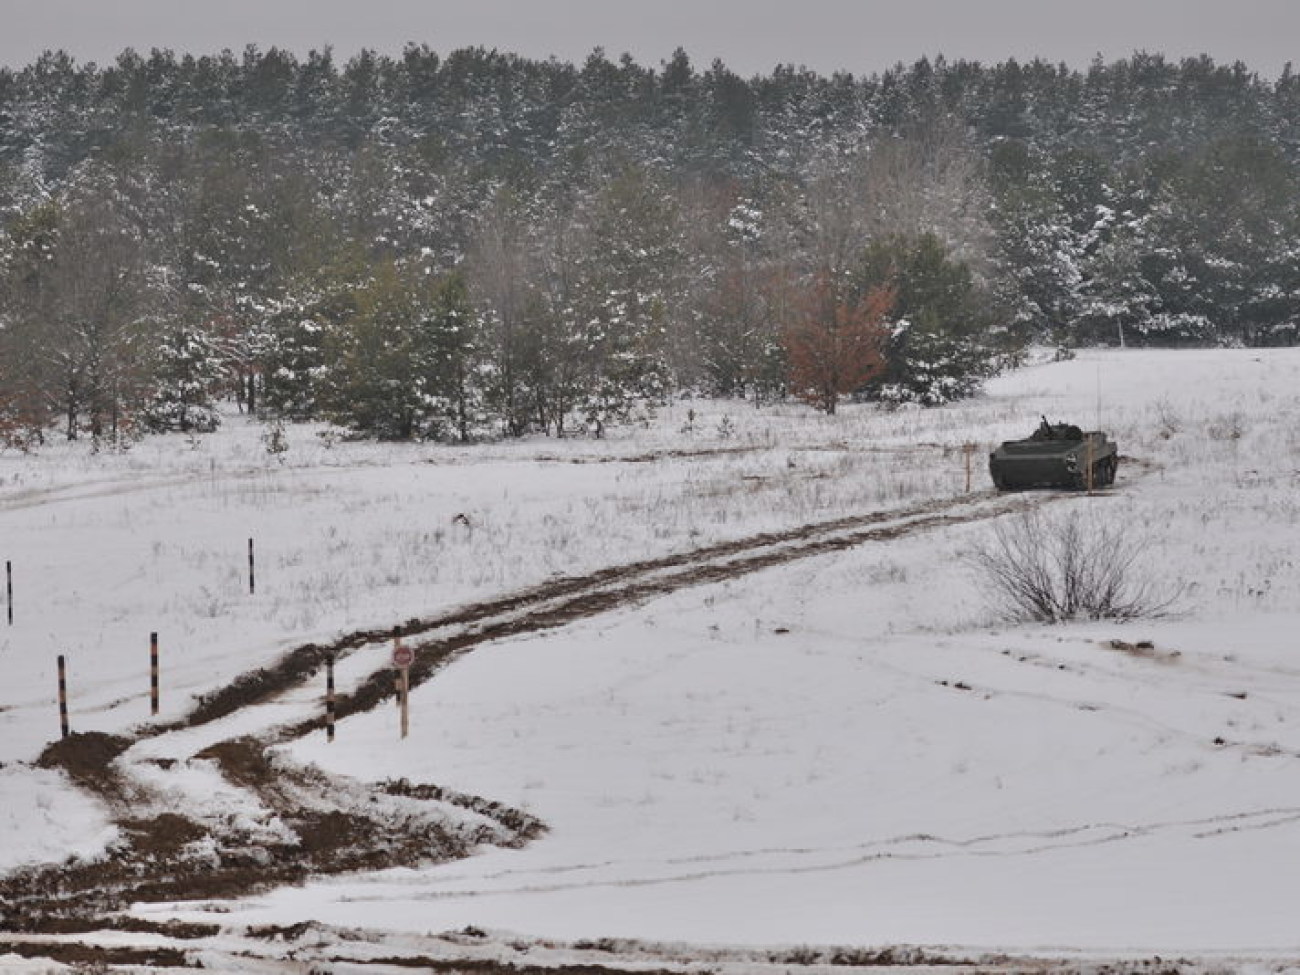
<point x="942" y="340"/>
<point x="187" y="372"/>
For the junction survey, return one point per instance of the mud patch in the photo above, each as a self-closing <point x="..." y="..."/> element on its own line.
<point x="314" y="825"/>
<point x="243" y="761"/>
<point x="1143" y="649"/>
<point x="87" y="757"/>
<point x="523" y="826"/>
<point x="163" y="836"/>
<point x="483" y="966"/>
<point x="97" y="957"/>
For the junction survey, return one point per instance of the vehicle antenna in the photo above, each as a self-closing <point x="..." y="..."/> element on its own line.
<point x="1098" y="393"/>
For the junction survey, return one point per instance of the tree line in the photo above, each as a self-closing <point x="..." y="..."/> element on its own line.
<point x="482" y="245"/>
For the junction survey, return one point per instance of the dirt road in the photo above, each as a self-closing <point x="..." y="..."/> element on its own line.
<point x="307" y="822"/>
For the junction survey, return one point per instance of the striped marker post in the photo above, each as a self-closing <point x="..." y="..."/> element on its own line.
<point x="252" y="575"/>
<point x="63" y="697"/>
<point x="153" y="673"/>
<point x="329" y="698"/>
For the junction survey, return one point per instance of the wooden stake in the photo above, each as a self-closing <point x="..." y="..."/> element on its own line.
<point x="397" y="672"/>
<point x="63" y="697"/>
<point x="153" y="673"/>
<point x="9" y="589"/>
<point x="403" y="657"/>
<point x="252" y="575"/>
<point x="329" y="698"/>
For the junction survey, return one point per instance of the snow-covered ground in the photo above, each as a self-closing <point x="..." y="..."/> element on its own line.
<point x="848" y="749"/>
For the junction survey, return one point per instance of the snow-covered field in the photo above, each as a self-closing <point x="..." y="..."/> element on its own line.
<point x="846" y="749"/>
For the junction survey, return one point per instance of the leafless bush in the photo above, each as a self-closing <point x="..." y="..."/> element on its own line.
<point x="1227" y="426"/>
<point x="1168" y="419"/>
<point x="1074" y="566"/>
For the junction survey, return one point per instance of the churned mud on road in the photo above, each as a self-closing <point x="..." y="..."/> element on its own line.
<point x="317" y="948"/>
<point x="303" y="822"/>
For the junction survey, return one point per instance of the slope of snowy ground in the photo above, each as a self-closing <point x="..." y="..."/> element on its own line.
<point x="846" y="749"/>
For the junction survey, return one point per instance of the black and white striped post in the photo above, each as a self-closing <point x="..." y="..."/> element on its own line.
<point x="153" y="673"/>
<point x="63" y="697"/>
<point x="329" y="698"/>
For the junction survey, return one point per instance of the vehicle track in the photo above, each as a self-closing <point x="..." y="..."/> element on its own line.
<point x="562" y="601"/>
<point x="169" y="855"/>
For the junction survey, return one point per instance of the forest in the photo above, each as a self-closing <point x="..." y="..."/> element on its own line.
<point x="477" y="245"/>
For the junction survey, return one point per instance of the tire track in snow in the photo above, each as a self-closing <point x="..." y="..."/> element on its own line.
<point x="807" y="860"/>
<point x="87" y="490"/>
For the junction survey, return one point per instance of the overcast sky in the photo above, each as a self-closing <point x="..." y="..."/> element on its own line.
<point x="750" y="36"/>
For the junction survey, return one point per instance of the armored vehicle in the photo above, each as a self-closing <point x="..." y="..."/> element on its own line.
<point x="1056" y="455"/>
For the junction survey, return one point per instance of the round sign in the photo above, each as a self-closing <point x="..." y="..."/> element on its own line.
<point x="403" y="656"/>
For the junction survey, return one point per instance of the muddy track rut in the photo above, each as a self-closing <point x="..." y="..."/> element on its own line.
<point x="303" y="821"/>
<point x="439" y="639"/>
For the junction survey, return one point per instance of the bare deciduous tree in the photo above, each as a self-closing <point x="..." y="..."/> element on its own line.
<point x="836" y="343"/>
